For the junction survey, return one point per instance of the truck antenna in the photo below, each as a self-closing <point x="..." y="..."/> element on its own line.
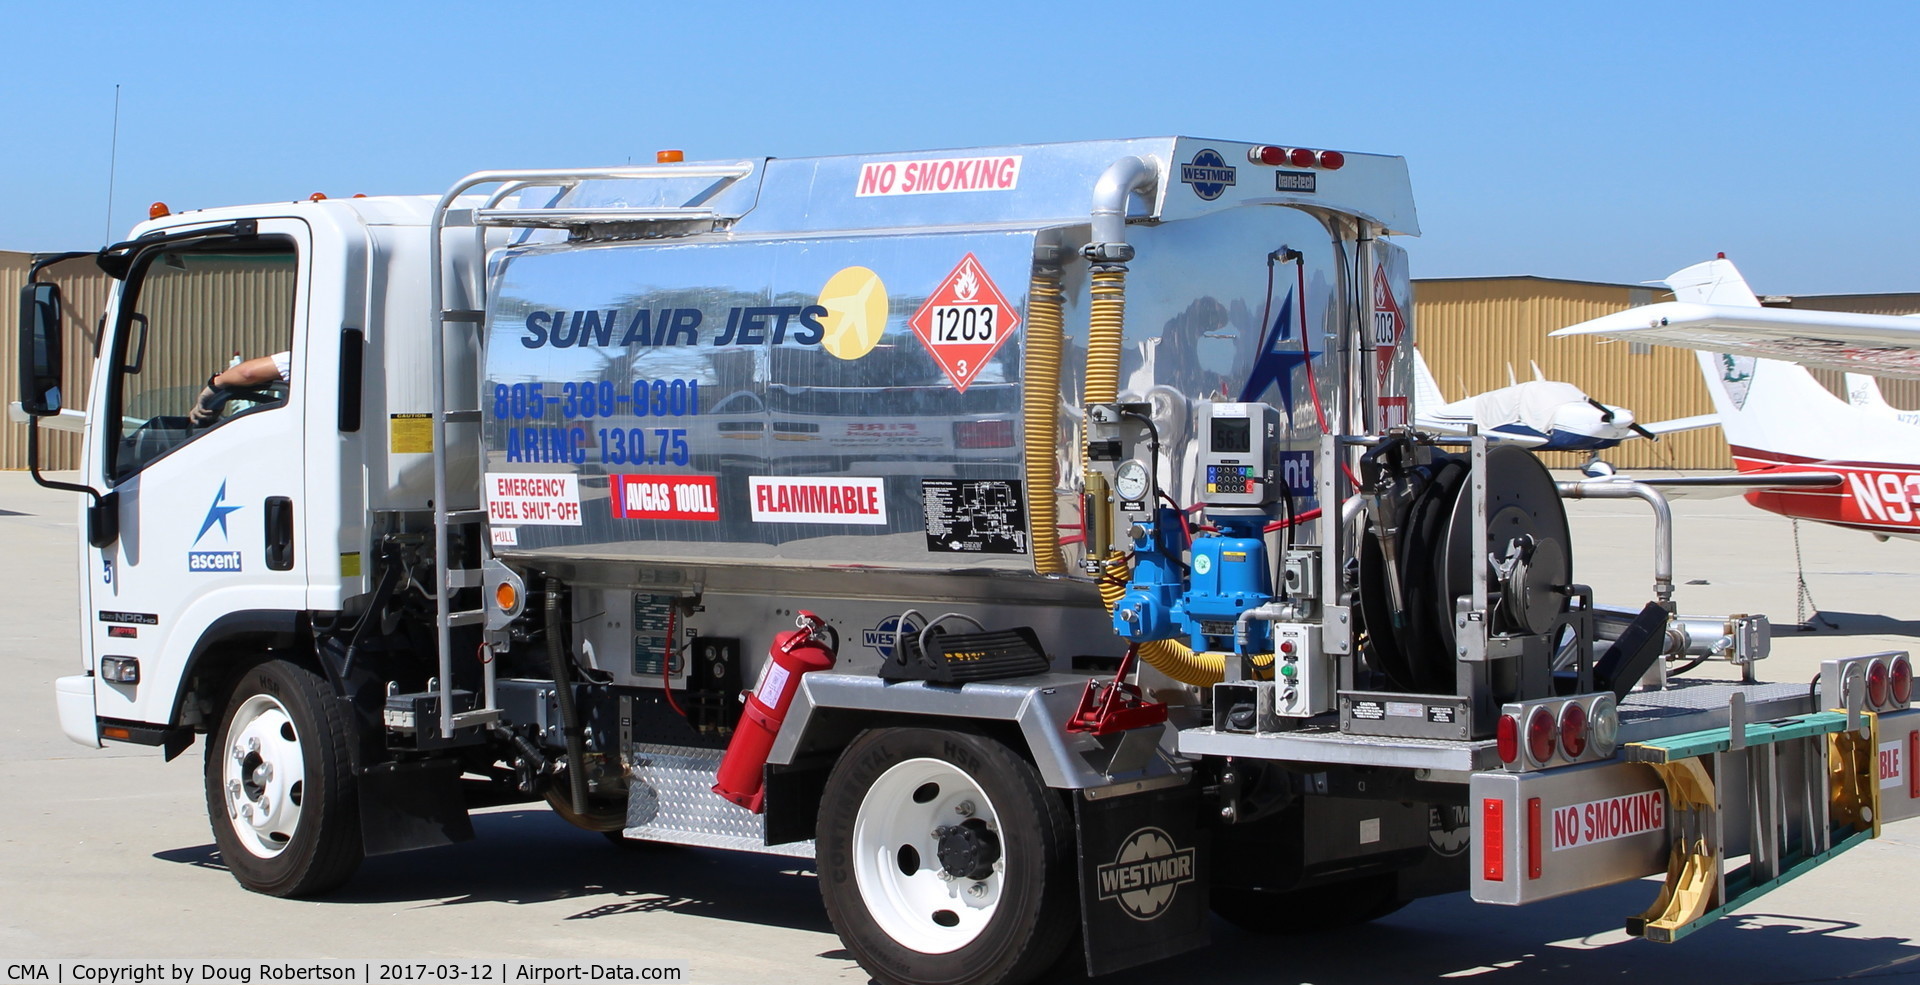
<point x="113" y="159"/>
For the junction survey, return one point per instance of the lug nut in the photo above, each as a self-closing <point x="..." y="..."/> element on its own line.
<point x="978" y="890"/>
<point x="964" y="808"/>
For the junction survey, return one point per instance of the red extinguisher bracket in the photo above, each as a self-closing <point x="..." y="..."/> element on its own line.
<point x="794" y="654"/>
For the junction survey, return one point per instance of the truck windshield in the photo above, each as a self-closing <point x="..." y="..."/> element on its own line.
<point x="195" y="310"/>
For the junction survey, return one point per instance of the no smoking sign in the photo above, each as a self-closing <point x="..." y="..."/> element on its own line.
<point x="964" y="321"/>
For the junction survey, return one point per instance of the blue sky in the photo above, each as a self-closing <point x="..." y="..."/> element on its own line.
<point x="1614" y="142"/>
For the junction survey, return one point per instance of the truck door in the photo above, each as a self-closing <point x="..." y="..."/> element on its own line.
<point x="208" y="511"/>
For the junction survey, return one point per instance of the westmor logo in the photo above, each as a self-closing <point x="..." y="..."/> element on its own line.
<point x="217" y="512"/>
<point x="1145" y="873"/>
<point x="1209" y="174"/>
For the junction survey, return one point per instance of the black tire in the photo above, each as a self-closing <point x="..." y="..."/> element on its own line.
<point x="319" y="847"/>
<point x="1035" y="898"/>
<point x="1308" y="911"/>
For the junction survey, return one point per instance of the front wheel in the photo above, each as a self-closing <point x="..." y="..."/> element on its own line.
<point x="280" y="789"/>
<point x="944" y="859"/>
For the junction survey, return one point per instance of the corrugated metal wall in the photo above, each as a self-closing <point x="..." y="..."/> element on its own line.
<point x="83" y="294"/>
<point x="201" y="314"/>
<point x="1472" y="329"/>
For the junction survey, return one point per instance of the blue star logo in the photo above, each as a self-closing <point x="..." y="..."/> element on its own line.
<point x="1280" y="355"/>
<point x="216" y="513"/>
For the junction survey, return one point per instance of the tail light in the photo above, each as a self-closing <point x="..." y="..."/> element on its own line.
<point x="1877" y="684"/>
<point x="983" y="434"/>
<point x="1603" y="726"/>
<point x="1506" y="738"/>
<point x="1300" y="157"/>
<point x="1332" y="160"/>
<point x="1573" y="729"/>
<point x="1267" y="155"/>
<point x="1902" y="683"/>
<point x="1540" y="735"/>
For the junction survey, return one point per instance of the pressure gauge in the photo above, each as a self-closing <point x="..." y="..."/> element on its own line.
<point x="1133" y="481"/>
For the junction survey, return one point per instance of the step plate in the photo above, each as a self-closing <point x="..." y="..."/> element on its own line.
<point x="672" y="800"/>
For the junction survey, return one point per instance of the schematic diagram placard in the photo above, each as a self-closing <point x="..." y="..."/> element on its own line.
<point x="975" y="516"/>
<point x="652" y="624"/>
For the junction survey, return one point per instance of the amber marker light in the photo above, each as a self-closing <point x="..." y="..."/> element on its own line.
<point x="505" y="597"/>
<point x="158" y="210"/>
<point x="669" y="156"/>
<point x="317" y="197"/>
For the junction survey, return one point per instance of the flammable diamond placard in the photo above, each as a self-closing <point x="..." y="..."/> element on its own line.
<point x="965" y="320"/>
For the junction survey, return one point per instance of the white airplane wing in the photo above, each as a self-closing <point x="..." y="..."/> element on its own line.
<point x="1884" y="345"/>
<point x="1683" y="424"/>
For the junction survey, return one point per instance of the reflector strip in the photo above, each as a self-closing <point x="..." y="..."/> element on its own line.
<point x="1533" y="837"/>
<point x="1493" y="840"/>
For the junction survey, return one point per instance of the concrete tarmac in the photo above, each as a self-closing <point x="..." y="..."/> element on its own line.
<point x="106" y="854"/>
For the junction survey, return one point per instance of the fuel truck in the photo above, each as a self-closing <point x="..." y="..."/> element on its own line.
<point x="1033" y="537"/>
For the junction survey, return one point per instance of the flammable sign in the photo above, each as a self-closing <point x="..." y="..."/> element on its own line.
<point x="964" y="321"/>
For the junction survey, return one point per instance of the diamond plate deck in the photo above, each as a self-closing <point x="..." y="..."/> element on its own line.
<point x="672" y="800"/>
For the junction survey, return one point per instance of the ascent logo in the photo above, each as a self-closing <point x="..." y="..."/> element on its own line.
<point x="217" y="513"/>
<point x="1209" y="174"/>
<point x="1146" y="873"/>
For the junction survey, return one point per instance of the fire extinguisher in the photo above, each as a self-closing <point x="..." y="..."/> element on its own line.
<point x="742" y="775"/>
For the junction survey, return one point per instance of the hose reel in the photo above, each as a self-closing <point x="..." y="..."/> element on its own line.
<point x="1527" y="557"/>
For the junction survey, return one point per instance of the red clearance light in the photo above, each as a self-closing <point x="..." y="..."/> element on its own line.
<point x="983" y="434"/>
<point x="1540" y="735"/>
<point x="1902" y="680"/>
<point x="1913" y="772"/>
<point x="1876" y="685"/>
<point x="1267" y="155"/>
<point x="1332" y="160"/>
<point x="158" y="210"/>
<point x="1573" y="729"/>
<point x="1493" y="840"/>
<point x="1300" y="157"/>
<point x="1533" y="837"/>
<point x="1506" y="738"/>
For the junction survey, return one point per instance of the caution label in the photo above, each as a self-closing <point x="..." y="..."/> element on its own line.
<point x="541" y="498"/>
<point x="964" y="321"/>
<point x="778" y="499"/>
<point x="1605" y="820"/>
<point x="410" y="434"/>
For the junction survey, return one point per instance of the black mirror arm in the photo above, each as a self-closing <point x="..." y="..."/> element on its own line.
<point x="33" y="463"/>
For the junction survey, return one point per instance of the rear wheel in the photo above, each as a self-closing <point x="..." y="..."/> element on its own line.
<point x="944" y="859"/>
<point x="280" y="791"/>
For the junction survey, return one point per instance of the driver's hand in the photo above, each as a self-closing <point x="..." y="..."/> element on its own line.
<point x="206" y="408"/>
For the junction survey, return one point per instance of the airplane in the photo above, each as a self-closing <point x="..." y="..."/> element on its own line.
<point x="1541" y="414"/>
<point x="1804" y="452"/>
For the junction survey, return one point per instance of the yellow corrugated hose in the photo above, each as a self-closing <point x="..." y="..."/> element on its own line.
<point x="1041" y="407"/>
<point x="1107" y="324"/>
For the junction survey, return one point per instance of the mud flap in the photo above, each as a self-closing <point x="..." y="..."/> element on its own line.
<point x="404" y="806"/>
<point x="1143" y="876"/>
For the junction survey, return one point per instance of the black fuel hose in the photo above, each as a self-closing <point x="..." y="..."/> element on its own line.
<point x="557" y="662"/>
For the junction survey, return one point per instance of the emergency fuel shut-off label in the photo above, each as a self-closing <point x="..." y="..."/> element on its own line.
<point x="975" y="516"/>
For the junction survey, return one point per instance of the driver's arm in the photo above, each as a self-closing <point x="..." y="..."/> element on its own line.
<point x="254" y="372"/>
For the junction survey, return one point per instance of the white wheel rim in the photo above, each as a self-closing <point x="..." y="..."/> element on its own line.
<point x="263" y="776"/>
<point x="897" y="862"/>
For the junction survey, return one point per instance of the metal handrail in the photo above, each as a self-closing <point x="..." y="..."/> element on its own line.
<point x="565" y="179"/>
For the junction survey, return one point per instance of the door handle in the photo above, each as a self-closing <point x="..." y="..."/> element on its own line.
<point x="279" y="533"/>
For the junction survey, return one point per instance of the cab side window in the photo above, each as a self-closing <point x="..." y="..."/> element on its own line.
<point x="189" y="312"/>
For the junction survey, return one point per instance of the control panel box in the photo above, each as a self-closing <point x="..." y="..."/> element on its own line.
<point x="1237" y="460"/>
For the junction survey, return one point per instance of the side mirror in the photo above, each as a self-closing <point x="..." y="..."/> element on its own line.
<point x="40" y="360"/>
